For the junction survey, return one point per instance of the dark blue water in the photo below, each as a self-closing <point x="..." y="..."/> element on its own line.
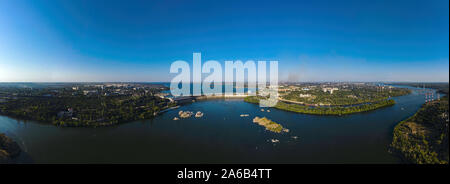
<point x="220" y="136"/>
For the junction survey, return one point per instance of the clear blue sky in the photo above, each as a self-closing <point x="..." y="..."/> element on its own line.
<point x="108" y="40"/>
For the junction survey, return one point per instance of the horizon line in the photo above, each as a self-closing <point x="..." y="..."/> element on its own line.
<point x="228" y="82"/>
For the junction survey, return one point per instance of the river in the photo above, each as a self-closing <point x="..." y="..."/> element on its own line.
<point x="220" y="136"/>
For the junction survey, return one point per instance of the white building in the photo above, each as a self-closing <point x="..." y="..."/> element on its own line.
<point x="329" y="90"/>
<point x="87" y="92"/>
<point x="305" y="95"/>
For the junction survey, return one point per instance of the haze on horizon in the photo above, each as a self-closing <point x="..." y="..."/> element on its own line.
<point x="122" y="41"/>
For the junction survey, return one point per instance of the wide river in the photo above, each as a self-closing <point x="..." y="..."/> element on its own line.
<point x="220" y="136"/>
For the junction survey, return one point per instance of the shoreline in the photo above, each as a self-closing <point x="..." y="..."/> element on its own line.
<point x="421" y="138"/>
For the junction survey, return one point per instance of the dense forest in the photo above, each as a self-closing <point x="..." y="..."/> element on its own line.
<point x="423" y="138"/>
<point x="318" y="110"/>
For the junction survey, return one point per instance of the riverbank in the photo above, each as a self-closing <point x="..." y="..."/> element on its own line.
<point x="85" y="111"/>
<point x="423" y="138"/>
<point x="9" y="149"/>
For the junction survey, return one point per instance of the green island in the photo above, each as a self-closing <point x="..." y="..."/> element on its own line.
<point x="333" y="98"/>
<point x="84" y="105"/>
<point x="423" y="138"/>
<point x="268" y="124"/>
<point x="8" y="149"/>
<point x="338" y="94"/>
<point x="336" y="110"/>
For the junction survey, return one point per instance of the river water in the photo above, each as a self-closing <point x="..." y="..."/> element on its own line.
<point x="220" y="136"/>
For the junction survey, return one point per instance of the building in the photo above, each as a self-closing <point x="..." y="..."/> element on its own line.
<point x="88" y="92"/>
<point x="329" y="90"/>
<point x="68" y="113"/>
<point x="305" y="95"/>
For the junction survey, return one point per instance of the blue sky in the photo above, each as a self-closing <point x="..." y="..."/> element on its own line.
<point x="109" y="40"/>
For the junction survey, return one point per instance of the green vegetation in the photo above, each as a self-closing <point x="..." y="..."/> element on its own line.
<point x="8" y="149"/>
<point x="423" y="138"/>
<point x="83" y="110"/>
<point x="344" y="95"/>
<point x="269" y="124"/>
<point x="318" y="110"/>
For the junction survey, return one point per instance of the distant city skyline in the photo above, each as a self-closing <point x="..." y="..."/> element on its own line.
<point x="136" y="41"/>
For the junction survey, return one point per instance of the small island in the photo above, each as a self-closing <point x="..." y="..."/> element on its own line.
<point x="185" y="114"/>
<point x="9" y="149"/>
<point x="269" y="124"/>
<point x="188" y="114"/>
<point x="199" y="114"/>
